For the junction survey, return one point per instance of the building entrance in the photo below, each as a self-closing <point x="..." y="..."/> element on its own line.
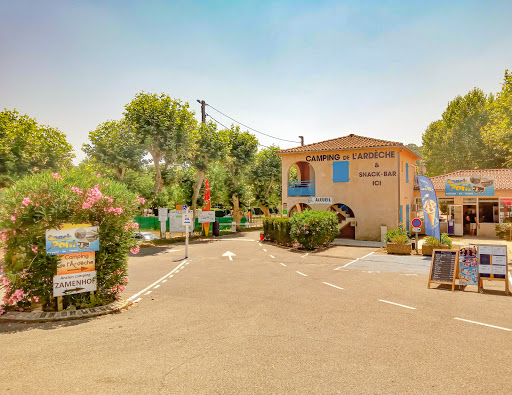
<point x="346" y="220"/>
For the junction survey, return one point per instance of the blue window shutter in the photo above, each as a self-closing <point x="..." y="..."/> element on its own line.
<point x="407" y="216"/>
<point x="401" y="215"/>
<point x="340" y="171"/>
<point x="407" y="172"/>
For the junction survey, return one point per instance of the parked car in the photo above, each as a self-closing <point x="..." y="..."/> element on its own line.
<point x="145" y="236"/>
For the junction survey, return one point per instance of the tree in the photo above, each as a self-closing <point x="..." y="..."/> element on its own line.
<point x="242" y="149"/>
<point x="165" y="127"/>
<point x="498" y="131"/>
<point x="28" y="148"/>
<point x="211" y="146"/>
<point x="114" y="144"/>
<point x="455" y="141"/>
<point x="265" y="179"/>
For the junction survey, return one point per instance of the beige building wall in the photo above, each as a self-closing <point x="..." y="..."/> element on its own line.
<point x="372" y="191"/>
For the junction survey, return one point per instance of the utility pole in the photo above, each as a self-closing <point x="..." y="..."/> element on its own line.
<point x="301" y="140"/>
<point x="203" y="110"/>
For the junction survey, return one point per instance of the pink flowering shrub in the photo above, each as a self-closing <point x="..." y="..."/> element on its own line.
<point x="44" y="201"/>
<point x="313" y="229"/>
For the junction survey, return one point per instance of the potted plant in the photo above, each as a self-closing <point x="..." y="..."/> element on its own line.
<point x="397" y="241"/>
<point x="431" y="243"/>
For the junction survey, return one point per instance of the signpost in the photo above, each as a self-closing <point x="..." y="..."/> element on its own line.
<point x="186" y="219"/>
<point x="416" y="227"/>
<point x="443" y="269"/>
<point x="68" y="284"/>
<point x="162" y="217"/>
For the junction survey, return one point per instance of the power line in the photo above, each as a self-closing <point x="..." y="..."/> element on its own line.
<point x="225" y="127"/>
<point x="257" y="131"/>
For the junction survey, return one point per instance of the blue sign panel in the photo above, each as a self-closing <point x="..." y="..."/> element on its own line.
<point x="72" y="238"/>
<point x="430" y="207"/>
<point x="469" y="186"/>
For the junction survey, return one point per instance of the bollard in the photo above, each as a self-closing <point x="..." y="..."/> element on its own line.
<point x="233" y="226"/>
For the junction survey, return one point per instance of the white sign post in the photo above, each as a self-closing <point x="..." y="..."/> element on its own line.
<point x="186" y="220"/>
<point x="162" y="217"/>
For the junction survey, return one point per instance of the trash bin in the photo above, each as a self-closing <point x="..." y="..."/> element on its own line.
<point x="215" y="229"/>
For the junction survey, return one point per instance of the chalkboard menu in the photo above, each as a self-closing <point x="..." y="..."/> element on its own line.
<point x="443" y="268"/>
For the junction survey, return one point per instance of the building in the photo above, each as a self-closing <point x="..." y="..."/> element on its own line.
<point x="368" y="182"/>
<point x="485" y="192"/>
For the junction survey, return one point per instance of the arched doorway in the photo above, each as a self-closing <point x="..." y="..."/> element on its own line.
<point x="299" y="208"/>
<point x="346" y="220"/>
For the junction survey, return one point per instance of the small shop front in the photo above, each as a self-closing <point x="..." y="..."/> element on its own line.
<point x="482" y="197"/>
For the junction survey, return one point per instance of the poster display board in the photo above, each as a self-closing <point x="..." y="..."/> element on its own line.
<point x="205" y="216"/>
<point x="68" y="284"/>
<point x="443" y="268"/>
<point x="492" y="264"/>
<point x="469" y="186"/>
<point x="76" y="263"/>
<point x="175" y="220"/>
<point x="468" y="265"/>
<point x="72" y="238"/>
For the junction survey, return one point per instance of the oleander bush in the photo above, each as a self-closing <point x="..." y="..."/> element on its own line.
<point x="503" y="231"/>
<point x="46" y="201"/>
<point x="313" y="228"/>
<point x="277" y="230"/>
<point x="397" y="235"/>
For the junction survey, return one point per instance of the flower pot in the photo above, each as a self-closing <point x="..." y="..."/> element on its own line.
<point x="427" y="249"/>
<point x="394" y="248"/>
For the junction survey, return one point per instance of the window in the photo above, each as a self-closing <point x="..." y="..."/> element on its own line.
<point x="488" y="210"/>
<point x="340" y="171"/>
<point x="505" y="210"/>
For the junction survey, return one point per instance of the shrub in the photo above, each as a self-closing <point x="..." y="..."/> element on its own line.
<point x="432" y="241"/>
<point x="312" y="229"/>
<point x="46" y="201"/>
<point x="503" y="230"/>
<point x="277" y="230"/>
<point x="399" y="234"/>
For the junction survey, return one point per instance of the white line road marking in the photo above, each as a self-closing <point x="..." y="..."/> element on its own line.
<point x="172" y="275"/>
<point x="305" y="255"/>
<point x="481" y="323"/>
<point x="187" y="263"/>
<point x="157" y="281"/>
<point x="408" y="274"/>
<point x="282" y="264"/>
<point x="272" y="256"/>
<point x="147" y="293"/>
<point x="302" y="274"/>
<point x="264" y="250"/>
<point x="260" y="244"/>
<point x="238" y="239"/>
<point x="156" y="286"/>
<point x="177" y="271"/>
<point x="137" y="300"/>
<point x="355" y="260"/>
<point x="164" y="281"/>
<point x="331" y="285"/>
<point x="397" y="304"/>
<point x="371" y="271"/>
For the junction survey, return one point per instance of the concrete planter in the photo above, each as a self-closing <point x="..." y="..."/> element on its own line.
<point x="394" y="248"/>
<point x="427" y="250"/>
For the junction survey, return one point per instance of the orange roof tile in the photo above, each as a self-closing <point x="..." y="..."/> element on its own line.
<point x="351" y="141"/>
<point x="502" y="177"/>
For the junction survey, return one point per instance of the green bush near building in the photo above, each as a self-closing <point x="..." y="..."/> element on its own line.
<point x="277" y="230"/>
<point x="503" y="231"/>
<point x="397" y="235"/>
<point x="313" y="229"/>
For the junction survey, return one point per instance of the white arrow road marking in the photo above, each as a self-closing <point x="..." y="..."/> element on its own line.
<point x="229" y="254"/>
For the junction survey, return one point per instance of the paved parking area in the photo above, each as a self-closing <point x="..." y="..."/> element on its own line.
<point x="377" y="261"/>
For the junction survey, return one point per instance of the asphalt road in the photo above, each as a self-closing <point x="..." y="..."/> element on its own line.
<point x="271" y="321"/>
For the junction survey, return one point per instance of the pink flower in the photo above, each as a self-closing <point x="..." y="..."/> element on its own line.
<point x="121" y="288"/>
<point x="85" y="206"/>
<point x="2" y="269"/>
<point x="135" y="225"/>
<point x="34" y="249"/>
<point x="56" y="176"/>
<point x="20" y="309"/>
<point x="13" y="218"/>
<point x="98" y="175"/>
<point x="141" y="200"/>
<point x="2" y="311"/>
<point x="126" y="279"/>
<point x="135" y="250"/>
<point x="6" y="281"/>
<point x="26" y="201"/>
<point x="298" y="230"/>
<point x="76" y="190"/>
<point x="36" y="299"/>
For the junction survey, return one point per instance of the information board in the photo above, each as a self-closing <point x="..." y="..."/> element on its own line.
<point x="468" y="265"/>
<point x="68" y="284"/>
<point x="175" y="225"/>
<point x="206" y="217"/>
<point x="492" y="265"/>
<point x="443" y="268"/>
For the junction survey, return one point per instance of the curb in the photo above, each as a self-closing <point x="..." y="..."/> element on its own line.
<point x="41" y="316"/>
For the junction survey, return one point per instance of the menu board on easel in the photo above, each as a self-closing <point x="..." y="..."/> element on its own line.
<point x="443" y="268"/>
<point x="492" y="264"/>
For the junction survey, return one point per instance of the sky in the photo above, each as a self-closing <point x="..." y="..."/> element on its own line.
<point x="318" y="69"/>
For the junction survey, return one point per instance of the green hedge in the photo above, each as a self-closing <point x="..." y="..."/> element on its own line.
<point x="152" y="223"/>
<point x="277" y="230"/>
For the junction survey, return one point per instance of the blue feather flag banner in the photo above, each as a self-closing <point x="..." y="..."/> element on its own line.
<point x="430" y="207"/>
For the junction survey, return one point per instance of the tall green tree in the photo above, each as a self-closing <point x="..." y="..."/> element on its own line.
<point x="455" y="141"/>
<point x="265" y="179"/>
<point x="27" y="147"/>
<point x="115" y="145"/>
<point x="165" y="127"/>
<point x="498" y="131"/>
<point x="242" y="150"/>
<point x="211" y="146"/>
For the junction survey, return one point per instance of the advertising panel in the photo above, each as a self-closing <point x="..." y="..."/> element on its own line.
<point x="72" y="238"/>
<point x="430" y="207"/>
<point x="76" y="263"/>
<point x="468" y="265"/>
<point x="175" y="225"/>
<point x="469" y="186"/>
<point x="206" y="216"/>
<point x="69" y="284"/>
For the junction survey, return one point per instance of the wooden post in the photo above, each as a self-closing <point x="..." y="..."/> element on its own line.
<point x="59" y="303"/>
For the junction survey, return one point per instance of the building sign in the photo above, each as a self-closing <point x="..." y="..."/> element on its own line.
<point x="76" y="263"/>
<point x="469" y="186"/>
<point x="72" y="238"/>
<point x="319" y="200"/>
<point x="69" y="284"/>
<point x="206" y="216"/>
<point x="356" y="155"/>
<point x="285" y="208"/>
